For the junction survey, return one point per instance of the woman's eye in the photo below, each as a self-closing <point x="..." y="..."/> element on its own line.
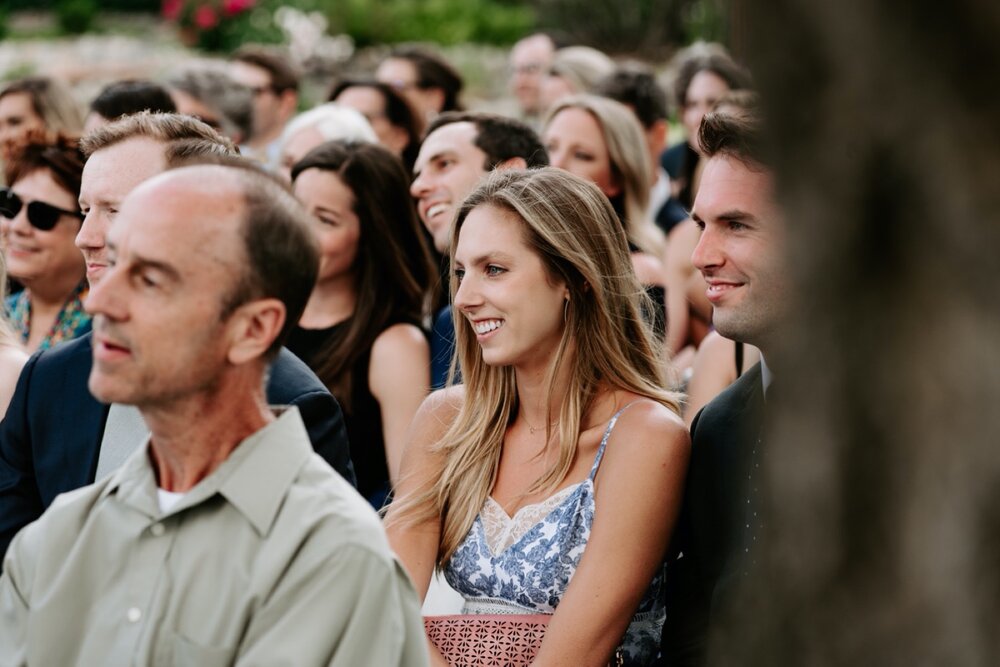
<point x="459" y="274"/>
<point x="493" y="270"/>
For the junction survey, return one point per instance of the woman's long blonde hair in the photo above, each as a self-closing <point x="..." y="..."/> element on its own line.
<point x="570" y="224"/>
<point x="629" y="158"/>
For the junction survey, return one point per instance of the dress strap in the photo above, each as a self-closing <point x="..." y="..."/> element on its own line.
<point x="604" y="440"/>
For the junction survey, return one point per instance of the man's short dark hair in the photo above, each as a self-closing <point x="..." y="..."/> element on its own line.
<point x="281" y="250"/>
<point x="635" y="86"/>
<point x="500" y="137"/>
<point x="734" y="134"/>
<point x="130" y="96"/>
<point x="283" y="75"/>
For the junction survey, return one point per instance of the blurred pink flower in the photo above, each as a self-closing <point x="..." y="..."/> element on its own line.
<point x="232" y="7"/>
<point x="171" y="9"/>
<point x="205" y="17"/>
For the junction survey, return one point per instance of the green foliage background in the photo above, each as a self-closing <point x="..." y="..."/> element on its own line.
<point x="645" y="28"/>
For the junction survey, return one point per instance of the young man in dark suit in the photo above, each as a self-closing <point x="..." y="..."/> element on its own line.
<point x="741" y="256"/>
<point x="56" y="436"/>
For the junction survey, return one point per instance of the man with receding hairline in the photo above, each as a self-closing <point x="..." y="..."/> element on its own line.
<point x="56" y="436"/>
<point x="224" y="539"/>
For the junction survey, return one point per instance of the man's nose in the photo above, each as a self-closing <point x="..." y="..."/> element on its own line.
<point x="104" y="297"/>
<point x="707" y="252"/>
<point x="91" y="234"/>
<point x="419" y="186"/>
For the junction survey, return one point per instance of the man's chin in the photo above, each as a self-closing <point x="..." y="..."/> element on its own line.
<point x="107" y="391"/>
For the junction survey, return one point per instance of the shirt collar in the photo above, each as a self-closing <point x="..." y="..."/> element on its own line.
<point x="254" y="478"/>
<point x="765" y="375"/>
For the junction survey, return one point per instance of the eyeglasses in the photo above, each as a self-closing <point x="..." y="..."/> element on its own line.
<point x="41" y="215"/>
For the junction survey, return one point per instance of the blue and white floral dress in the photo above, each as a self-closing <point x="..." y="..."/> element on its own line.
<point x="523" y="564"/>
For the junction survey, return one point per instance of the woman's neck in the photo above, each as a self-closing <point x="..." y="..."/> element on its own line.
<point x="330" y="303"/>
<point x="47" y="295"/>
<point x="533" y="394"/>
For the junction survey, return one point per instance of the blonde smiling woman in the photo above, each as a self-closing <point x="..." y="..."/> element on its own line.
<point x="550" y="479"/>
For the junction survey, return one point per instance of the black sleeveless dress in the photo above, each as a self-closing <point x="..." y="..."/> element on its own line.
<point x="362" y="414"/>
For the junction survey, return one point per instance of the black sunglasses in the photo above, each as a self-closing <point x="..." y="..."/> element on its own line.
<point x="41" y="215"/>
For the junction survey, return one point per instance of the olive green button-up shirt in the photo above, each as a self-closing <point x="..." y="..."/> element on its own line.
<point x="273" y="559"/>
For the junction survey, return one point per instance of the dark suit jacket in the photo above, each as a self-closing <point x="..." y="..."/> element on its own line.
<point x="51" y="435"/>
<point x="711" y="534"/>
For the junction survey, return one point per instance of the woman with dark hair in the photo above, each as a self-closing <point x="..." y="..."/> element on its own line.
<point x="39" y="218"/>
<point x="361" y="330"/>
<point x="428" y="82"/>
<point x="388" y="113"/>
<point x="704" y="75"/>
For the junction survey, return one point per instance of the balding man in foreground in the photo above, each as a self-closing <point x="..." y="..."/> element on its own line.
<point x="56" y="436"/>
<point x="224" y="539"/>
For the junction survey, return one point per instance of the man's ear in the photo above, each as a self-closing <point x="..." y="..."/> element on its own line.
<point x="253" y="327"/>
<point x="512" y="163"/>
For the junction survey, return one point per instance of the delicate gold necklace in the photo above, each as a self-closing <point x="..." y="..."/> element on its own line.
<point x="531" y="429"/>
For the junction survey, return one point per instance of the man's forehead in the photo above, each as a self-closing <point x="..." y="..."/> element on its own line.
<point x="451" y="138"/>
<point x="136" y="157"/>
<point x="196" y="212"/>
<point x="726" y="181"/>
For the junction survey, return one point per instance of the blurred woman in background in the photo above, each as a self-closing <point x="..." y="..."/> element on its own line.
<point x="599" y="139"/>
<point x="388" y="113"/>
<point x="36" y="106"/>
<point x="39" y="218"/>
<point x="361" y="331"/>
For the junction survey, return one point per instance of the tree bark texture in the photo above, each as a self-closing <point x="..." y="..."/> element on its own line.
<point x="884" y="466"/>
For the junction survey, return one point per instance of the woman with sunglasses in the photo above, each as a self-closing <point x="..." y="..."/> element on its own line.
<point x="39" y="219"/>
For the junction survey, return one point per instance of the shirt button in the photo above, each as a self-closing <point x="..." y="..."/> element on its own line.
<point x="157" y="529"/>
<point x="133" y="615"/>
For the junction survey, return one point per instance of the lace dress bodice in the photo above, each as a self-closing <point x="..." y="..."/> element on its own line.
<point x="522" y="564"/>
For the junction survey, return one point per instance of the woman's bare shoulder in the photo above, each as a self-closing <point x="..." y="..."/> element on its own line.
<point x="439" y="410"/>
<point x="649" y="428"/>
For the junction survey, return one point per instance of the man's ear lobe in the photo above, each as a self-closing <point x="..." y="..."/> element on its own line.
<point x="255" y="326"/>
<point x="512" y="163"/>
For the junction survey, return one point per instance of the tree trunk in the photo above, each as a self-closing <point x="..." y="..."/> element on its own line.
<point x="884" y="472"/>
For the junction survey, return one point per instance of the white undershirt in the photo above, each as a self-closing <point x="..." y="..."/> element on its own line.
<point x="168" y="499"/>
